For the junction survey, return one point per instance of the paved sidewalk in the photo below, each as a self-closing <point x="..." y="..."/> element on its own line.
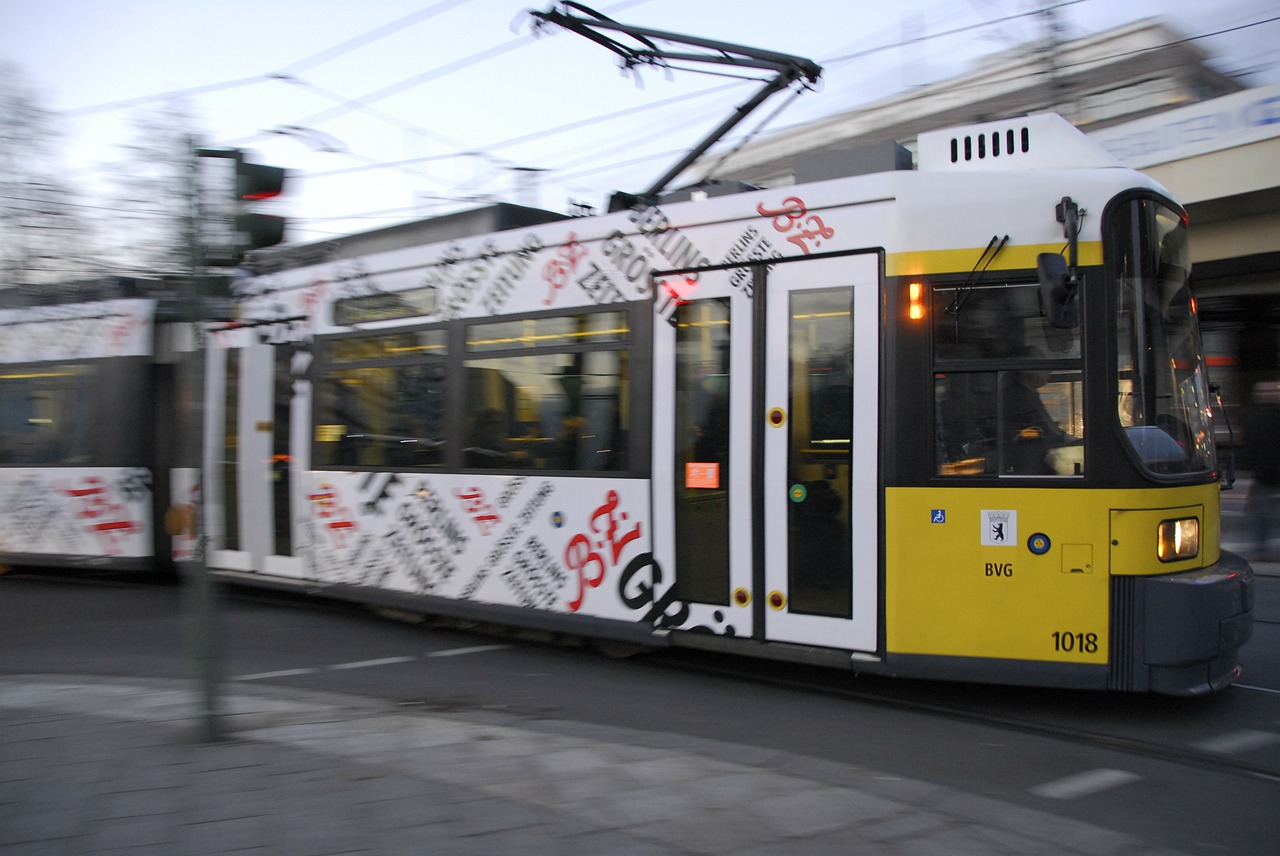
<point x="93" y="765"/>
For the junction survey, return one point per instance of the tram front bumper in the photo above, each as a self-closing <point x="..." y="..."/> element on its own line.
<point x="1187" y="628"/>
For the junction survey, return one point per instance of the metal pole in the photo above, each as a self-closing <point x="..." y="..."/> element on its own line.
<point x="199" y="592"/>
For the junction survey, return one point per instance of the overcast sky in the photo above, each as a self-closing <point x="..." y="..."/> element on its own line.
<point x="465" y="91"/>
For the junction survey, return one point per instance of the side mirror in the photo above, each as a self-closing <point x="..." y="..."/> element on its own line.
<point x="1057" y="291"/>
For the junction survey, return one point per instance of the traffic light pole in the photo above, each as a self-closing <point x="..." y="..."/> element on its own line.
<point x="199" y="593"/>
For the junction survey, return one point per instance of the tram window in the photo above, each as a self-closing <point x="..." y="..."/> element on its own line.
<point x="545" y="332"/>
<point x="967" y="431"/>
<point x="400" y="345"/>
<point x="1020" y="421"/>
<point x="557" y="411"/>
<point x="996" y="321"/>
<point x="1041" y="429"/>
<point x="1008" y="394"/>
<point x="548" y="392"/>
<point x="47" y="414"/>
<point x="381" y="401"/>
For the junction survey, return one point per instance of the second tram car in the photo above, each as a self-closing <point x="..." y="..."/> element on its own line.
<point x="949" y="422"/>
<point x="86" y="442"/>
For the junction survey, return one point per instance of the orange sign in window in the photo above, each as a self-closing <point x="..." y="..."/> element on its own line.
<point x="703" y="475"/>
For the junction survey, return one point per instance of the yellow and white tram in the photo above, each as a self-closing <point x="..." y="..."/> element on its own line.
<point x="841" y="422"/>
<point x="947" y="422"/>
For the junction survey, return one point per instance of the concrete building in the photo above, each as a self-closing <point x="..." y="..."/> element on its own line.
<point x="1096" y="82"/>
<point x="1149" y="96"/>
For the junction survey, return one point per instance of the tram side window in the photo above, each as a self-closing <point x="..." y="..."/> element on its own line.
<point x="548" y="393"/>
<point x="381" y="400"/>
<point x="46" y="414"/>
<point x="1008" y="389"/>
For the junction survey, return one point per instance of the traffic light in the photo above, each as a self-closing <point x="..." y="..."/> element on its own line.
<point x="230" y="185"/>
<point x="255" y="182"/>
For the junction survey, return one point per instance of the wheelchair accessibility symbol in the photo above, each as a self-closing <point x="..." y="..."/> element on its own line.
<point x="939" y="516"/>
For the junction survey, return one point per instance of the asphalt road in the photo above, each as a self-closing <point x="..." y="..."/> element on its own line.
<point x="1192" y="775"/>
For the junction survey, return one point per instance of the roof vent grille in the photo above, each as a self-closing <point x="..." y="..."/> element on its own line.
<point x="1006" y="146"/>
<point x="982" y="146"/>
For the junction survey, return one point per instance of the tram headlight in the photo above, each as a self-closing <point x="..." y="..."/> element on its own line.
<point x="1178" y="539"/>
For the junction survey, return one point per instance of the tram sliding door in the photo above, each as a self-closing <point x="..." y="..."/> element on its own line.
<point x="251" y="463"/>
<point x="702" y="446"/>
<point x="765" y="449"/>
<point x="820" y="369"/>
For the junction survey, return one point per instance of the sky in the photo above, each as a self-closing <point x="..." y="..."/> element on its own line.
<point x="389" y="110"/>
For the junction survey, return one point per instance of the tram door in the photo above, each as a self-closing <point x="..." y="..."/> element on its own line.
<point x="820" y="367"/>
<point x="250" y="469"/>
<point x="764" y="473"/>
<point x="702" y="447"/>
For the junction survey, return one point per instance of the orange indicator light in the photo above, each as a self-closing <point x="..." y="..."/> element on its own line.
<point x="915" y="310"/>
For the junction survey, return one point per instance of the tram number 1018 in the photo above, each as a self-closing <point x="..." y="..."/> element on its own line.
<point x="1084" y="642"/>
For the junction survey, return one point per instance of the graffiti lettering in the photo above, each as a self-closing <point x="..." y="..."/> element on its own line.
<point x="504" y="282"/>
<point x="381" y="493"/>
<point x="334" y="518"/>
<point x="106" y="518"/>
<point x="595" y="283"/>
<point x="536" y="501"/>
<point x="581" y="556"/>
<point x="481" y="512"/>
<point x="509" y="492"/>
<point x="791" y="216"/>
<point x="630" y="261"/>
<point x="751" y="246"/>
<point x="558" y="271"/>
<point x="534" y="576"/>
<point x="638" y="591"/>
<point x="504" y="543"/>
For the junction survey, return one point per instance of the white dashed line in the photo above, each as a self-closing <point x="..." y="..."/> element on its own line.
<point x="1234" y="742"/>
<point x="283" y="673"/>
<point x="1255" y="689"/>
<point x="1083" y="784"/>
<point x="456" y="652"/>
<point x="368" y="664"/>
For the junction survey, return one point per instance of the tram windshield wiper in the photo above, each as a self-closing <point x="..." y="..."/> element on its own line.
<point x="994" y="246"/>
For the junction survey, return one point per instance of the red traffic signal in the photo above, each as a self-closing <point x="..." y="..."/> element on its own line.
<point x="231" y="225"/>
<point x="256" y="181"/>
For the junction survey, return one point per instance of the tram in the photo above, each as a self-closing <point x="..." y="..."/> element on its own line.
<point x="943" y="422"/>
<point x="85" y="441"/>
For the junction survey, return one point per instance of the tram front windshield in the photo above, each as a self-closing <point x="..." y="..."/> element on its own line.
<point x="1163" y="399"/>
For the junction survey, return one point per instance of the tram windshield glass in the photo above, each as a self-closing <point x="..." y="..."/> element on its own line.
<point x="1008" y="385"/>
<point x="1162" y="391"/>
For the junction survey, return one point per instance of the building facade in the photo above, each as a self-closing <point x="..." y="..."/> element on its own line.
<point x="1148" y="96"/>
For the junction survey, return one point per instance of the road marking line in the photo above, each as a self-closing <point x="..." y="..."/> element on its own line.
<point x="1238" y="741"/>
<point x="367" y="664"/>
<point x="1083" y="784"/>
<point x="283" y="673"/>
<point x="1257" y="689"/>
<point x="455" y="652"/>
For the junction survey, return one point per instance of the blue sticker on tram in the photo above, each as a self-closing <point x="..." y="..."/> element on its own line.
<point x="939" y="515"/>
<point x="1038" y="543"/>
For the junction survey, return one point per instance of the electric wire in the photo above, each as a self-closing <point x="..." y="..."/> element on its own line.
<point x="287" y="74"/>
